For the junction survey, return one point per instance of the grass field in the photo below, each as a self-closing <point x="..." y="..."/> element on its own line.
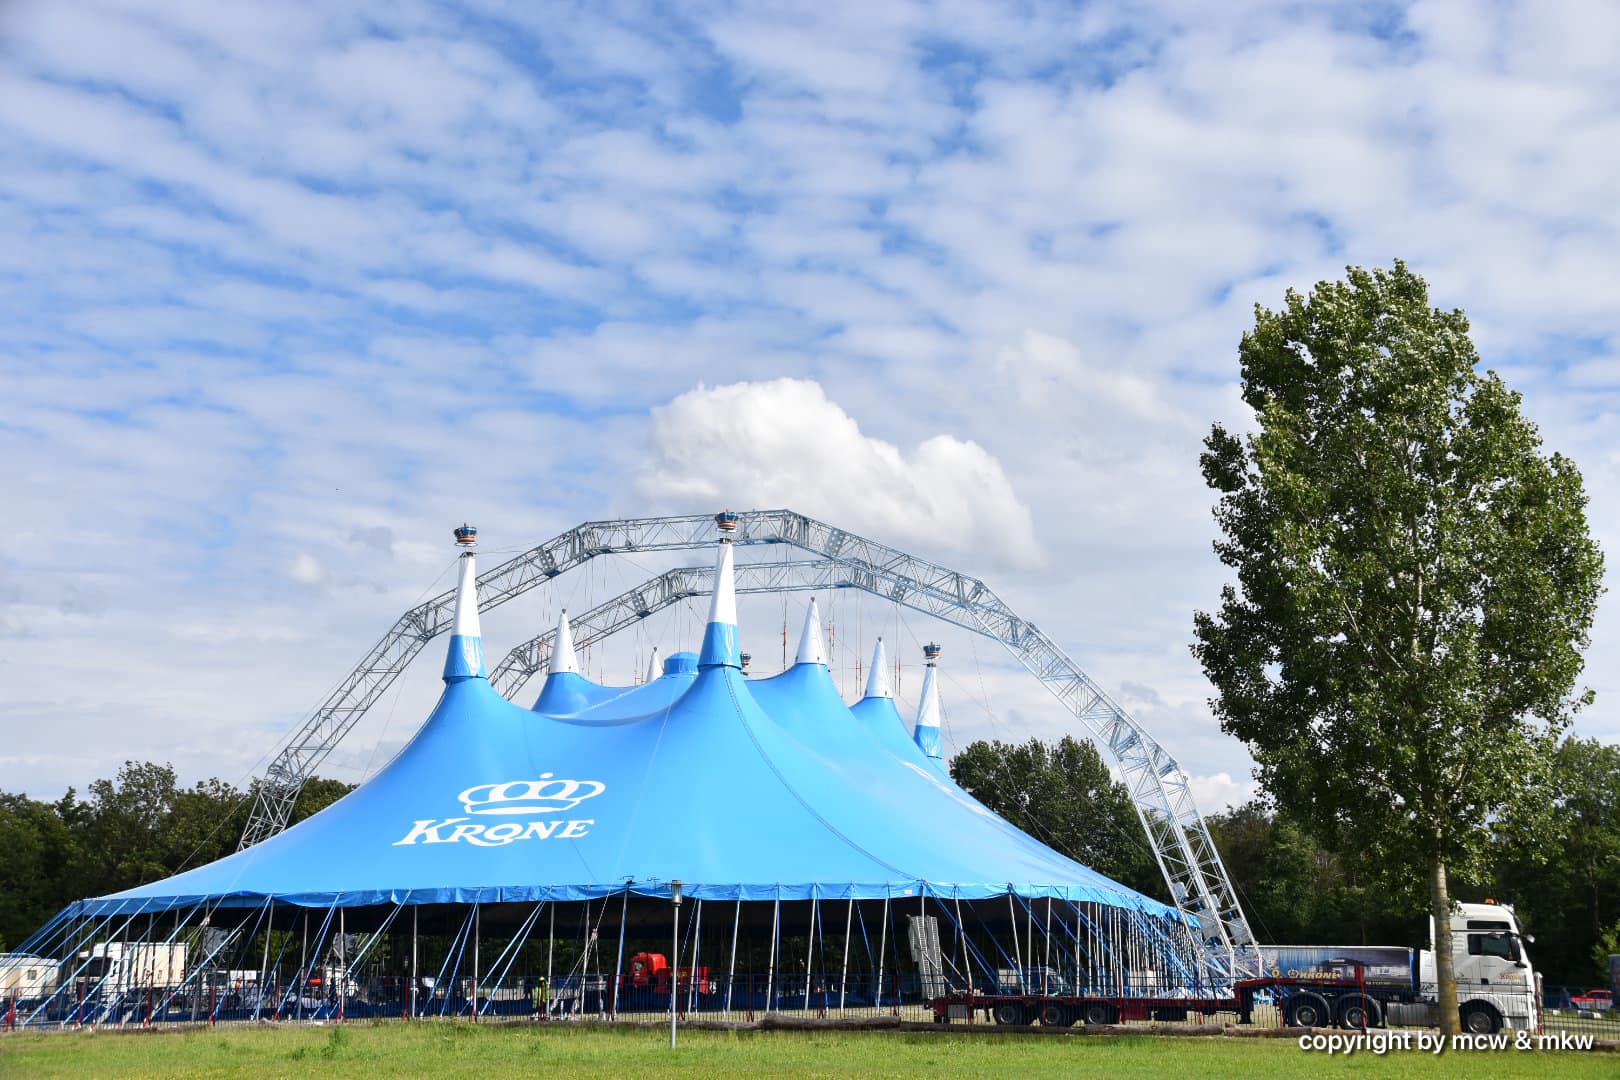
<point x="456" y="1049"/>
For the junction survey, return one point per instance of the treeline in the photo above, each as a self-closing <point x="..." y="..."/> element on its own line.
<point x="1561" y="872"/>
<point x="137" y="827"/>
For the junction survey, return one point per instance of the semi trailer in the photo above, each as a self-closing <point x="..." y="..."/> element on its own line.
<point x="1309" y="985"/>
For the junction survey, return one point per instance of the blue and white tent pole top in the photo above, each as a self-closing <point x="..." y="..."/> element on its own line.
<point x="812" y="650"/>
<point x="877" y="680"/>
<point x="466" y="656"/>
<point x="927" y="733"/>
<point x="720" y="647"/>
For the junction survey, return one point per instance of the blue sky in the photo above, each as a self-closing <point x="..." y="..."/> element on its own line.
<point x="289" y="289"/>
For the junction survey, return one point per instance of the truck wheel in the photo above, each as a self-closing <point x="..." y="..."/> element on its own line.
<point x="1008" y="1012"/>
<point x="1056" y="1014"/>
<point x="1481" y="1018"/>
<point x="1308" y="1010"/>
<point x="1098" y="1013"/>
<point x="1356" y="1012"/>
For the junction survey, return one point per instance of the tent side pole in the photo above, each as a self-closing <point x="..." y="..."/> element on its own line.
<point x="303" y="966"/>
<point x="883" y="944"/>
<point x="476" y="912"/>
<point x="809" y="950"/>
<point x="1018" y="956"/>
<point x="843" y="974"/>
<point x="264" y="964"/>
<point x="618" y="964"/>
<point x="776" y="923"/>
<point x="551" y="948"/>
<point x="415" y="971"/>
<point x="731" y="971"/>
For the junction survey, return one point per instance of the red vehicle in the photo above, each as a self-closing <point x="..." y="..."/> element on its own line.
<point x="1596" y="1000"/>
<point x="651" y="971"/>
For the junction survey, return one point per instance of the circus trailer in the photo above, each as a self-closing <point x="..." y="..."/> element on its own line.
<point x="121" y="967"/>
<point x="24" y="976"/>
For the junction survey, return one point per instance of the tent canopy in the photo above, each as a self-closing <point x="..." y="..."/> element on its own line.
<point x="738" y="788"/>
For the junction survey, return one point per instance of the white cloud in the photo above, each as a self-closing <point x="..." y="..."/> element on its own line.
<point x="325" y="281"/>
<point x="306" y="569"/>
<point x="783" y="443"/>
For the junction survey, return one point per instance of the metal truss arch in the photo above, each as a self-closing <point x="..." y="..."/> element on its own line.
<point x="1159" y="788"/>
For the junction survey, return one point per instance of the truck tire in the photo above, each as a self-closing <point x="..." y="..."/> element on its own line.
<point x="1356" y="1012"/>
<point x="1480" y="1018"/>
<point x="1056" y="1014"/>
<point x="1308" y="1010"/>
<point x="1098" y="1013"/>
<point x="1008" y="1012"/>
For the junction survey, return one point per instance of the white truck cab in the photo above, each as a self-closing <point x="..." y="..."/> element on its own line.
<point x="1496" y="986"/>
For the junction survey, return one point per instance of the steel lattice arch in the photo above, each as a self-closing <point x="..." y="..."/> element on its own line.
<point x="1176" y="831"/>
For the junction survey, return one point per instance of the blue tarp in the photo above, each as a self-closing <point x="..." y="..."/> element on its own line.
<point x="738" y="788"/>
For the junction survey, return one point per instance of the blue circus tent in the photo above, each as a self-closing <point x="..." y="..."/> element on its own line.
<point x="739" y="788"/>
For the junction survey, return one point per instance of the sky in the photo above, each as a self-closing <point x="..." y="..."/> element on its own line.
<point x="288" y="290"/>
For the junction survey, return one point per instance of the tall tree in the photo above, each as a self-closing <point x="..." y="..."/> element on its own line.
<point x="1416" y="583"/>
<point x="1061" y="793"/>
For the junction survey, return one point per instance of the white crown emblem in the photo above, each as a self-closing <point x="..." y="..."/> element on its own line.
<point x="543" y="796"/>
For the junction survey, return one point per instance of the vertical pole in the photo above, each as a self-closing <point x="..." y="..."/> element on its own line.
<point x="303" y="966"/>
<point x="1018" y="956"/>
<point x="810" y="952"/>
<point x="961" y="936"/>
<point x="776" y="922"/>
<point x="343" y="963"/>
<point x="618" y="964"/>
<point x="551" y="947"/>
<point x="883" y="944"/>
<point x="731" y="971"/>
<point x="843" y="975"/>
<point x="476" y="909"/>
<point x="675" y="976"/>
<point x="415" y="971"/>
<point x="264" y="964"/>
<point x="1046" y="964"/>
<point x="697" y="938"/>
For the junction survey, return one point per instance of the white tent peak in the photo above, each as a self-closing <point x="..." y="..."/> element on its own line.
<point x="562" y="648"/>
<point x="466" y="622"/>
<point x="723" y="604"/>
<point x="877" y="682"/>
<point x="812" y="650"/>
<point x="652" y="665"/>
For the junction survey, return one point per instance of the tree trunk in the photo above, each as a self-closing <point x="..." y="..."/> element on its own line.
<point x="1445" y="972"/>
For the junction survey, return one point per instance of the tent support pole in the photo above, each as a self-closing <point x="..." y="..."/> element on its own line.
<point x="1047" y="962"/>
<point x="883" y="944"/>
<point x="809" y="950"/>
<point x="618" y="964"/>
<point x="476" y="907"/>
<point x="1018" y="956"/>
<point x="731" y="972"/>
<point x="264" y="964"/>
<point x="697" y="938"/>
<point x="843" y="974"/>
<point x="343" y="960"/>
<point x="776" y="923"/>
<point x="551" y="947"/>
<point x="415" y="979"/>
<point x="303" y="966"/>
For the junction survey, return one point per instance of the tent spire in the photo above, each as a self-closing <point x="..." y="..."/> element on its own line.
<point x="927" y="733"/>
<point x="877" y="683"/>
<point x="652" y="665"/>
<point x="811" y="648"/>
<point x="465" y="659"/>
<point x="720" y="637"/>
<point x="563" y="657"/>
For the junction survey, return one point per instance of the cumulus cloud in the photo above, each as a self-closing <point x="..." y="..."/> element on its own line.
<point x="784" y="443"/>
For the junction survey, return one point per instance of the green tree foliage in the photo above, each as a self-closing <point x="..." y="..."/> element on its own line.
<point x="1296" y="892"/>
<point x="1564" y="870"/>
<point x="1415" y="583"/>
<point x="137" y="827"/>
<point x="1061" y="794"/>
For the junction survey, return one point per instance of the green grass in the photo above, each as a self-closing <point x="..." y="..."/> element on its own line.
<point x="454" y="1049"/>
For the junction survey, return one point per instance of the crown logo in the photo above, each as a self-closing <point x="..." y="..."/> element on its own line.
<point x="543" y="796"/>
